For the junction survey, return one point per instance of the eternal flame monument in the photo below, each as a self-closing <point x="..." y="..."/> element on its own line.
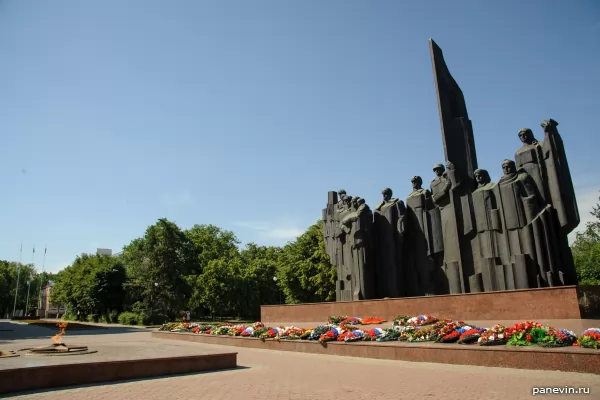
<point x="464" y="234"/>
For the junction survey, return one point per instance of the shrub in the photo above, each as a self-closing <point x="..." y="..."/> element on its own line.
<point x="93" y="318"/>
<point x="104" y="319"/>
<point x="113" y="317"/>
<point x="69" y="317"/>
<point x="129" y="318"/>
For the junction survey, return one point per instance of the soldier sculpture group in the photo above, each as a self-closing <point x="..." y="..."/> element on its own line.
<point x="465" y="234"/>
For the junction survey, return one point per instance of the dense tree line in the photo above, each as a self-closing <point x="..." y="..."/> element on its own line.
<point x="201" y="269"/>
<point x="29" y="280"/>
<point x="586" y="251"/>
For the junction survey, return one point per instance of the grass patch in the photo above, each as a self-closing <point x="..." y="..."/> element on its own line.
<point x="70" y="325"/>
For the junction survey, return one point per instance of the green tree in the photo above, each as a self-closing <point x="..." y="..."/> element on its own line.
<point x="208" y="243"/>
<point x="218" y="286"/>
<point x="157" y="266"/>
<point x="9" y="272"/>
<point x="92" y="284"/>
<point x="259" y="268"/>
<point x="586" y="251"/>
<point x="305" y="273"/>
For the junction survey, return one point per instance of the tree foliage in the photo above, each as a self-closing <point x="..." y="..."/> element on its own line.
<point x="202" y="269"/>
<point x="306" y="275"/>
<point x="157" y="264"/>
<point x="92" y="284"/>
<point x="586" y="251"/>
<point x="30" y="281"/>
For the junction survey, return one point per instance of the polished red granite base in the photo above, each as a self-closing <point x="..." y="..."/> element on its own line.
<point x="567" y="302"/>
<point x="52" y="376"/>
<point x="571" y="359"/>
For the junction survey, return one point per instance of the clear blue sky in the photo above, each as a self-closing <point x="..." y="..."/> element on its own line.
<point x="243" y="114"/>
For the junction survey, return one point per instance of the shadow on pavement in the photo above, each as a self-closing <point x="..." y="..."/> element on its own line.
<point x="17" y="331"/>
<point x="100" y="384"/>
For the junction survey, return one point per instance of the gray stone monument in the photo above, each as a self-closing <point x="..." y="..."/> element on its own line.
<point x="466" y="234"/>
<point x="388" y="235"/>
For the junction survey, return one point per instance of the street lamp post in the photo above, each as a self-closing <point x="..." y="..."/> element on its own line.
<point x="27" y="306"/>
<point x="278" y="289"/>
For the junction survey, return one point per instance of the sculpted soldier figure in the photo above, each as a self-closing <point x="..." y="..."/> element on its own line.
<point x="530" y="157"/>
<point x="420" y="241"/>
<point x="343" y="251"/>
<point x="490" y="241"/>
<point x="440" y="195"/>
<point x="547" y="164"/>
<point x="388" y="221"/>
<point x="440" y="186"/>
<point x="487" y="215"/>
<point x="361" y="222"/>
<point x="529" y="234"/>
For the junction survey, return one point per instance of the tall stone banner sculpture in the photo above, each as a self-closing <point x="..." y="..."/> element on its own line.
<point x="455" y="205"/>
<point x="465" y="233"/>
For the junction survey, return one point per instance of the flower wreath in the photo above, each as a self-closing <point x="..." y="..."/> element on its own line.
<point x="248" y="332"/>
<point x="372" y="321"/>
<point x="525" y="333"/>
<point x="221" y="330"/>
<point x="373" y="334"/>
<point x="406" y="332"/>
<point x="470" y="336"/>
<point x="557" y="338"/>
<point x="401" y="320"/>
<point x="330" y="335"/>
<point x="421" y="320"/>
<point x="388" y="335"/>
<point x="351" y="336"/>
<point x="493" y="336"/>
<point x="590" y="338"/>
<point x="420" y="335"/>
<point x="318" y="331"/>
<point x="290" y="332"/>
<point x="450" y="338"/>
<point x="336" y="320"/>
<point x="437" y="334"/>
<point x="350" y="321"/>
<point x="270" y="333"/>
<point x="236" y="330"/>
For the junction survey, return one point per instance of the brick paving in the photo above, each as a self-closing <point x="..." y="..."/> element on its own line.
<point x="114" y="343"/>
<point x="271" y="375"/>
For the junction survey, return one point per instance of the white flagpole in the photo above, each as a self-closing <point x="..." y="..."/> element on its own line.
<point x="18" y="277"/>
<point x="41" y="276"/>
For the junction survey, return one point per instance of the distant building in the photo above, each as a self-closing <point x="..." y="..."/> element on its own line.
<point x="104" y="252"/>
<point x="49" y="310"/>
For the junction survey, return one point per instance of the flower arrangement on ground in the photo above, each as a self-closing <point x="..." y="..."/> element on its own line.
<point x="389" y="334"/>
<point x="318" y="331"/>
<point x="525" y="333"/>
<point x="352" y="336"/>
<point x="331" y="335"/>
<point x="336" y="320"/>
<point x="557" y="338"/>
<point x="590" y="338"/>
<point x="422" y="328"/>
<point x="373" y="334"/>
<point x="344" y="320"/>
<point x="441" y="330"/>
<point x="470" y="336"/>
<point x="421" y="335"/>
<point x="493" y="337"/>
<point x="417" y="321"/>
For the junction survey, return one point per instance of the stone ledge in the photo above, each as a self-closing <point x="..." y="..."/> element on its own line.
<point x="52" y="376"/>
<point x="570" y="359"/>
<point x="566" y="302"/>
